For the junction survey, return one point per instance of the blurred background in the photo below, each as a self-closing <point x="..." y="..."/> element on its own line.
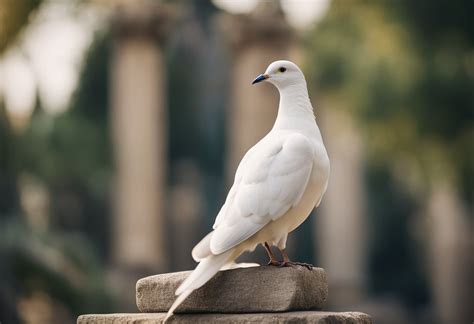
<point x="122" y="123"/>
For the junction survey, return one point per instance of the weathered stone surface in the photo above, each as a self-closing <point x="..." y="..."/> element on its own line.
<point x="291" y="317"/>
<point x="244" y="290"/>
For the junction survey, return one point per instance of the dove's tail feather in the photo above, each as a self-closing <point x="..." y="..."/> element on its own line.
<point x="205" y="270"/>
<point x="203" y="248"/>
<point x="178" y="302"/>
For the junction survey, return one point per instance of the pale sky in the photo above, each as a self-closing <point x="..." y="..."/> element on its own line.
<point x="47" y="58"/>
<point x="301" y="14"/>
<point x="17" y="83"/>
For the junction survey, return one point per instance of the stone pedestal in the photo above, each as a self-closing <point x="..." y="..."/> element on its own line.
<point x="263" y="294"/>
<point x="234" y="291"/>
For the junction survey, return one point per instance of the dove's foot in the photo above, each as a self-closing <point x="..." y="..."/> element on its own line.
<point x="287" y="263"/>
<point x="275" y="263"/>
<point x="296" y="264"/>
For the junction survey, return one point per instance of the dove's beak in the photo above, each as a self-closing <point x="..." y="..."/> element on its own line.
<point x="260" y="78"/>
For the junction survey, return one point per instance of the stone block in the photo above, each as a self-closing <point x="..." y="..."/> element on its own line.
<point x="243" y="290"/>
<point x="291" y="317"/>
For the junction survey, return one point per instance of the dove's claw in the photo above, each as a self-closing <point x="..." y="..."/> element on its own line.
<point x="294" y="264"/>
<point x="275" y="263"/>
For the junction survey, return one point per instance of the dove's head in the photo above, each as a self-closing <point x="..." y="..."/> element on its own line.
<point x="282" y="74"/>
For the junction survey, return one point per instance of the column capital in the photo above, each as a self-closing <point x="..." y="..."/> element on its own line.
<point x="142" y="19"/>
<point x="266" y="24"/>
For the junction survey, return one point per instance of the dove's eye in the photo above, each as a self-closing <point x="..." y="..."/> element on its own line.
<point x="282" y="69"/>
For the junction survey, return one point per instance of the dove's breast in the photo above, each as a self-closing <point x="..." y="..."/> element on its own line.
<point x="277" y="231"/>
<point x="314" y="192"/>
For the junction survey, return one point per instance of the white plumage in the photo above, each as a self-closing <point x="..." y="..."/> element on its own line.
<point x="277" y="184"/>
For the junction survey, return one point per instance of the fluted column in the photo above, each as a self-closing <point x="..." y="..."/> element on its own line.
<point x="451" y="255"/>
<point x="341" y="231"/>
<point x="139" y="133"/>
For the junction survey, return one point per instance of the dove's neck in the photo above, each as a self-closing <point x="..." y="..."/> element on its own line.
<point x="295" y="110"/>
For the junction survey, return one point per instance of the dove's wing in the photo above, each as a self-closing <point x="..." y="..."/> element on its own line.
<point x="233" y="189"/>
<point x="270" y="180"/>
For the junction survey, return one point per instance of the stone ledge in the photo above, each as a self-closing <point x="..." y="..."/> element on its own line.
<point x="243" y="290"/>
<point x="290" y="317"/>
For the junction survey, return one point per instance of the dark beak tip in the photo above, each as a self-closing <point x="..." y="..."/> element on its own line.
<point x="258" y="79"/>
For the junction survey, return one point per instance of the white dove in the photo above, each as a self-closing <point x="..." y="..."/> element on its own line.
<point x="277" y="184"/>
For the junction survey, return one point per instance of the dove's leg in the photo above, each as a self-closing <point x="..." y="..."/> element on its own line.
<point x="288" y="263"/>
<point x="273" y="260"/>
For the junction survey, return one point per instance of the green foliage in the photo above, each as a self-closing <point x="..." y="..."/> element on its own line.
<point x="75" y="144"/>
<point x="408" y="84"/>
<point x="69" y="155"/>
<point x="8" y="193"/>
<point x="405" y="71"/>
<point x="393" y="262"/>
<point x="62" y="265"/>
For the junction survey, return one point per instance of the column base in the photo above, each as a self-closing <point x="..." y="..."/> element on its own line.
<point x="286" y="317"/>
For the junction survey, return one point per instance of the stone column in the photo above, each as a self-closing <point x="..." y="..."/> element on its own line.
<point x="341" y="235"/>
<point x="451" y="251"/>
<point x="138" y="120"/>
<point x="257" y="40"/>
